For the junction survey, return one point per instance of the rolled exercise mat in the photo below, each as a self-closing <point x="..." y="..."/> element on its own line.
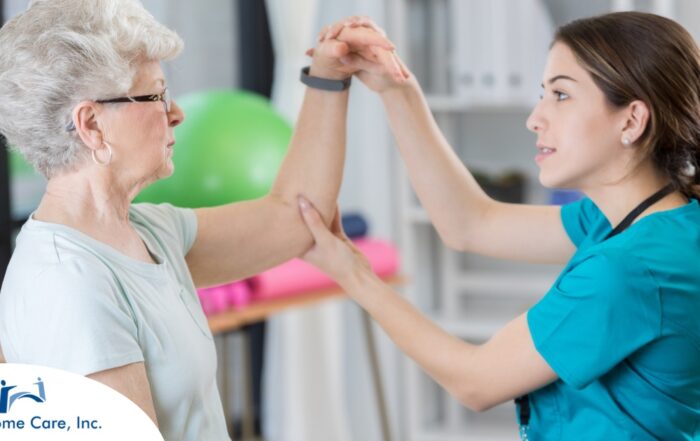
<point x="296" y="276"/>
<point x="354" y="225"/>
<point x="239" y="294"/>
<point x="219" y="298"/>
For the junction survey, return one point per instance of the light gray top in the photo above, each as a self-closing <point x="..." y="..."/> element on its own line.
<point x="71" y="302"/>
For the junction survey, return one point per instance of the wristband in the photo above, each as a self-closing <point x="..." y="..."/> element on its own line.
<point x="324" y="83"/>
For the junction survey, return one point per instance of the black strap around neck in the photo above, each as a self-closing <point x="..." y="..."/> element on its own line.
<point x="639" y="209"/>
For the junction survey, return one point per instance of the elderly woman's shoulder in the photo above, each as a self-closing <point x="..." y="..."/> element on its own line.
<point x="72" y="273"/>
<point x="155" y="213"/>
<point x="176" y="225"/>
<point x="66" y="290"/>
<point x="54" y="258"/>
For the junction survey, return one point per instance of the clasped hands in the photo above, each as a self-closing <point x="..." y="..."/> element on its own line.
<point x="357" y="46"/>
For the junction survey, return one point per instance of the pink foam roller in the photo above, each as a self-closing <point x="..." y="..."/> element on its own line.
<point x="297" y="276"/>
<point x="239" y="294"/>
<point x="219" y="298"/>
<point x="382" y="255"/>
<point x="213" y="299"/>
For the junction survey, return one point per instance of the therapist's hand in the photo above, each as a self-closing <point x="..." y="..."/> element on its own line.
<point x="379" y="67"/>
<point x="332" y="252"/>
<point x="329" y="50"/>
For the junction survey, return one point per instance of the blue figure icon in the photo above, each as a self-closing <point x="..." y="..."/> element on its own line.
<point x="6" y="400"/>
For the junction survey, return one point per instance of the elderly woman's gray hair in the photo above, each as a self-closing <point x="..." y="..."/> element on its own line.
<point x="61" y="52"/>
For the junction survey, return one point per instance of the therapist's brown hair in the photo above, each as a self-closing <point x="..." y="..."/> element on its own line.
<point x="639" y="56"/>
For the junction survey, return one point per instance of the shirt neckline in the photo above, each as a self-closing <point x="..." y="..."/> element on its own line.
<point x="693" y="203"/>
<point x="103" y="249"/>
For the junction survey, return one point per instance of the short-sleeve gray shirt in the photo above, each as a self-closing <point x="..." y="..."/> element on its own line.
<point x="71" y="302"/>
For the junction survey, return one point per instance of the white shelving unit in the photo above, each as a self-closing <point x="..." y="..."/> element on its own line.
<point x="482" y="113"/>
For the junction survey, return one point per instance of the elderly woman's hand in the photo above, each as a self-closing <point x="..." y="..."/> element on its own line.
<point x="332" y="252"/>
<point x="355" y="45"/>
<point x="377" y="66"/>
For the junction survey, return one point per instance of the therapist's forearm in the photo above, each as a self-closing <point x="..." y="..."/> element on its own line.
<point x="446" y="358"/>
<point x="314" y="163"/>
<point x="450" y="194"/>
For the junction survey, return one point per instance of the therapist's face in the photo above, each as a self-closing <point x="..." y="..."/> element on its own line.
<point x="579" y="133"/>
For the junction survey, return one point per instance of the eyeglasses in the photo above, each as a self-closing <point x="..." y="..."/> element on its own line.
<point x="164" y="97"/>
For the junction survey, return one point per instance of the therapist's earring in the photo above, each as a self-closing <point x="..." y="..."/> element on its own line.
<point x="625" y="141"/>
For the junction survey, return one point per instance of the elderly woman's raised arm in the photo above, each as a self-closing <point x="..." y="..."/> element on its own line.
<point x="240" y="239"/>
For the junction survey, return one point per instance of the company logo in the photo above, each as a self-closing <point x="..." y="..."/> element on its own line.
<point x="7" y="400"/>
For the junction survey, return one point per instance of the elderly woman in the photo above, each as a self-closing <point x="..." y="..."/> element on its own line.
<point x="104" y="288"/>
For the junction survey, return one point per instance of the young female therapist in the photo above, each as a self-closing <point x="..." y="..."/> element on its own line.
<point x="612" y="351"/>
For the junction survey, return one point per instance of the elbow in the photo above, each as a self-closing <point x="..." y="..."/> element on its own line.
<point x="290" y="203"/>
<point x="287" y="217"/>
<point x="462" y="232"/>
<point x="475" y="399"/>
<point x="452" y="239"/>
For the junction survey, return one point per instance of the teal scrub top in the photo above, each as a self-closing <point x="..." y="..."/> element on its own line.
<point x="621" y="328"/>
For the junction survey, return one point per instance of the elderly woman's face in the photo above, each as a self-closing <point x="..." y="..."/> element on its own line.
<point x="141" y="133"/>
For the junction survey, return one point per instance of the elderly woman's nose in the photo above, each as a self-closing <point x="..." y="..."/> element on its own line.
<point x="176" y="115"/>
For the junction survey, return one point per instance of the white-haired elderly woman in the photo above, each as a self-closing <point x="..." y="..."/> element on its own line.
<point x="104" y="288"/>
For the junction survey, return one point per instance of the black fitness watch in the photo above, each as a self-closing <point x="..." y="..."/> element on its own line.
<point x="324" y="83"/>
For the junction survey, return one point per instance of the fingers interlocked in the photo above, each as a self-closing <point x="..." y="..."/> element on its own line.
<point x="369" y="48"/>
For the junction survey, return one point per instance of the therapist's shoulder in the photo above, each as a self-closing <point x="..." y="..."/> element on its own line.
<point x="615" y="270"/>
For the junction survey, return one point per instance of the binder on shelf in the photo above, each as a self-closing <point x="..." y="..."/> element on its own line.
<point x="499" y="30"/>
<point x="465" y="52"/>
<point x="529" y="33"/>
<point x="499" y="52"/>
<point x="438" y="69"/>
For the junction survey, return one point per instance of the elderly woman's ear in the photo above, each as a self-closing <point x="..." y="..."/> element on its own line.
<point x="88" y="125"/>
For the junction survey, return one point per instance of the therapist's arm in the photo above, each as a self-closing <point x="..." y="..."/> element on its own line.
<point x="466" y="218"/>
<point x="480" y="376"/>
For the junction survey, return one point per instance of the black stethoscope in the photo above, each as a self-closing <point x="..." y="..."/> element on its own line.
<point x="524" y="401"/>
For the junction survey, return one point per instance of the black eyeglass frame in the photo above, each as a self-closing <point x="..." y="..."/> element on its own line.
<point x="163" y="96"/>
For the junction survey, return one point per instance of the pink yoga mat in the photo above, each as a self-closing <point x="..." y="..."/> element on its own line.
<point x="297" y="276"/>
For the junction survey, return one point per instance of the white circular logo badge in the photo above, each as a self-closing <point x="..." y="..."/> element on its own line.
<point x="40" y="403"/>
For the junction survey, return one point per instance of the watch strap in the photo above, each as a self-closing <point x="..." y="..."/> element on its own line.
<point x="324" y="83"/>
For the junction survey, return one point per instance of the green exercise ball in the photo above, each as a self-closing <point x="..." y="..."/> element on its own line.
<point x="229" y="148"/>
<point x="18" y="165"/>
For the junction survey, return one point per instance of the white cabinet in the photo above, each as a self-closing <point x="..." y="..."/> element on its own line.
<point x="480" y="64"/>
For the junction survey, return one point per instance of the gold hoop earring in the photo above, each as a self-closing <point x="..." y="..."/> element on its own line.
<point x="109" y="158"/>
